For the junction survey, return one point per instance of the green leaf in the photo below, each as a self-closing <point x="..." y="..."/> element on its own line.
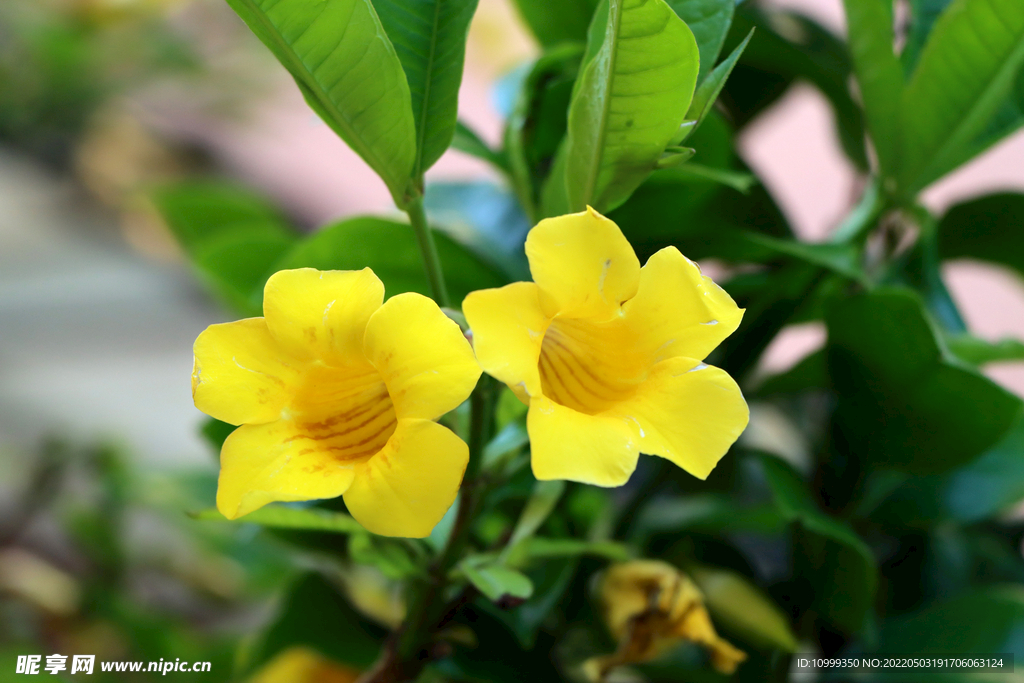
<point x="195" y="211"/>
<point x="982" y="621"/>
<point x="675" y="156"/>
<point x="628" y="103"/>
<point x="430" y="39"/>
<point x="976" y="351"/>
<point x="557" y="22"/>
<point x="1009" y="116"/>
<point x="709" y="89"/>
<point x="709" y="20"/>
<point x="705" y="512"/>
<point x="280" y="517"/>
<point x="786" y="48"/>
<point x="987" y="228"/>
<point x="879" y="75"/>
<point x="467" y="141"/>
<point x="740" y="606"/>
<point x="392" y="556"/>
<point x="235" y="262"/>
<point x="538" y="547"/>
<point x="496" y="580"/>
<point x="980" y="489"/>
<point x="537" y="124"/>
<point x="315" y="614"/>
<point x="216" y="432"/>
<point x="965" y="73"/>
<point x="810" y="373"/>
<point x="835" y="559"/>
<point x="349" y="73"/>
<point x="390" y="249"/>
<point x="541" y="504"/>
<point x="904" y="402"/>
<point x="843" y="259"/>
<point x="923" y="15"/>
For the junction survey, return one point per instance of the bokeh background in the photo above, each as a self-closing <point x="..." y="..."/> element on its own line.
<point x="102" y="100"/>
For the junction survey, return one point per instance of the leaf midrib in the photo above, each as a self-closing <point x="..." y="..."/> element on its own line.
<point x="958" y="137"/>
<point x="428" y="77"/>
<point x="314" y="86"/>
<point x="615" y="16"/>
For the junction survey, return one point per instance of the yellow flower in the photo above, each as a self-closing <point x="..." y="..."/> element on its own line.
<point x="650" y="607"/>
<point x="337" y="395"/>
<point x="303" y="665"/>
<point x="608" y="354"/>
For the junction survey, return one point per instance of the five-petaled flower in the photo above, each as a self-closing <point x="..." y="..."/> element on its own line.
<point x="608" y="354"/>
<point x="650" y="607"/>
<point x="337" y="394"/>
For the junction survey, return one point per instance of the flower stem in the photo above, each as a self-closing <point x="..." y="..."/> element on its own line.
<point x="428" y="605"/>
<point x="428" y="250"/>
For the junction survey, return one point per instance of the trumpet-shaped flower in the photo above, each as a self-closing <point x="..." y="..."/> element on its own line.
<point x="651" y="607"/>
<point x="337" y="394"/>
<point x="608" y="354"/>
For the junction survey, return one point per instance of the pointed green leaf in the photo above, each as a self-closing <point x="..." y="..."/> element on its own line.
<point x="710" y="21"/>
<point x="708" y="91"/>
<point x="349" y="73"/>
<point x="737" y="180"/>
<point x="536" y="127"/>
<point x="981" y="621"/>
<point x="390" y="249"/>
<point x="743" y="608"/>
<point x="629" y="101"/>
<point x="879" y="76"/>
<point x="197" y="210"/>
<point x="675" y="156"/>
<point x="235" y="263"/>
<point x="430" y="39"/>
<point x="843" y="259"/>
<point x="496" y="580"/>
<point x="544" y="548"/>
<point x="467" y="141"/>
<point x="980" y="489"/>
<point x="976" y="351"/>
<point x="965" y="74"/>
<point x="842" y="566"/>
<point x="280" y="517"/>
<point x="923" y="15"/>
<point x="789" y="47"/>
<point x="552" y="23"/>
<point x="541" y="504"/>
<point x="986" y="228"/>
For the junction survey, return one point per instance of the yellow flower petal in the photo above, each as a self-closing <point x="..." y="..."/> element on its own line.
<point x="583" y="265"/>
<point x="566" y="444"/>
<point x="508" y="330"/>
<point x="407" y="488"/>
<point x="321" y="314"/>
<point x="677" y="311"/>
<point x="241" y="374"/>
<point x="687" y="412"/>
<point x="260" y="464"/>
<point x="423" y="357"/>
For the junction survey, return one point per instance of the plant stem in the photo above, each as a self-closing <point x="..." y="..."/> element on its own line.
<point x="863" y="217"/>
<point x="427" y="608"/>
<point x="428" y="250"/>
